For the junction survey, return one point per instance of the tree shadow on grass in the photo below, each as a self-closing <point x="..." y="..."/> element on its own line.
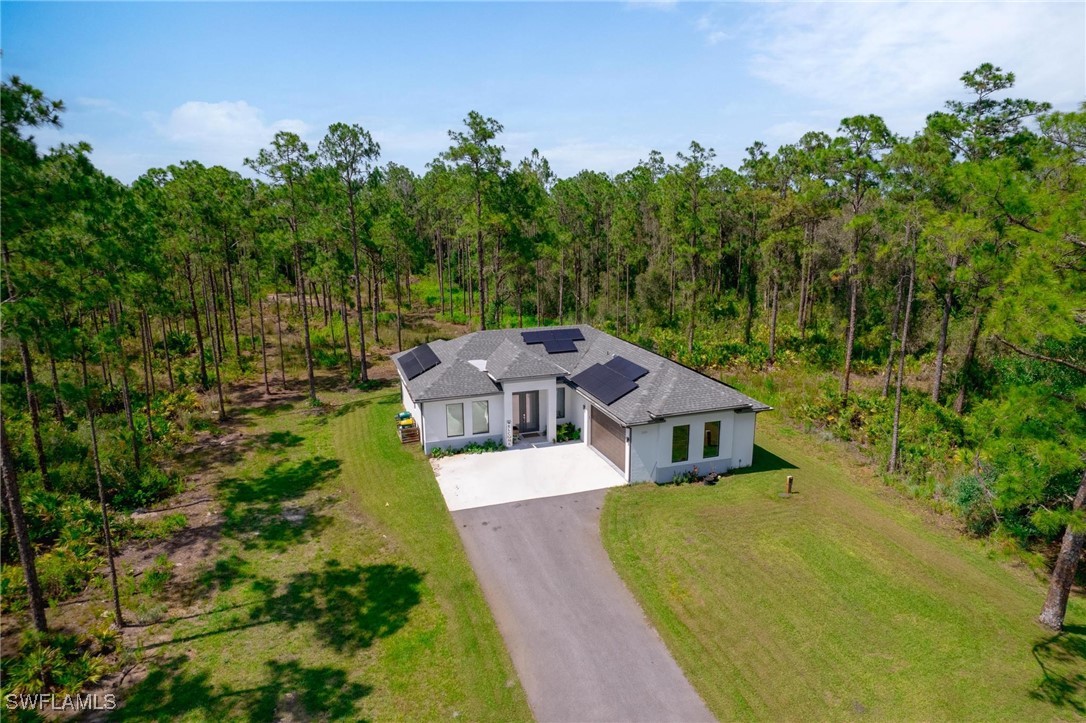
<point x="764" y="461"/>
<point x="1062" y="659"/>
<point x="291" y="691"/>
<point x="346" y="607"/>
<point x="254" y="508"/>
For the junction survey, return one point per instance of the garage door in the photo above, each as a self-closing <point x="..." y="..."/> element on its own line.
<point x="609" y="438"/>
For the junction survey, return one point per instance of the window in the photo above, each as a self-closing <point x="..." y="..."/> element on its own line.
<point x="454" y="420"/>
<point x="480" y="417"/>
<point x="561" y="414"/>
<point x="711" y="447"/>
<point x="680" y="443"/>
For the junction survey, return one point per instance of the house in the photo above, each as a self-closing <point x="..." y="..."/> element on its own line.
<point x="649" y="417"/>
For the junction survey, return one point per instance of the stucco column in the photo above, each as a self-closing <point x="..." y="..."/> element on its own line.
<point x="507" y="417"/>
<point x="552" y="412"/>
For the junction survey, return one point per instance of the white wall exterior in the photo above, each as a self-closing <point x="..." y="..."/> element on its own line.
<point x="434" y="422"/>
<point x="743" y="446"/>
<point x="547" y="388"/>
<point x="650" y="446"/>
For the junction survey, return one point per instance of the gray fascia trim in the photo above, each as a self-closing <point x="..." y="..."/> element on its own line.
<point x="458" y="396"/>
<point x="742" y="409"/>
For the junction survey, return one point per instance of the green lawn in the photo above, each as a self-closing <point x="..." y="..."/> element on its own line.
<point x="839" y="601"/>
<point x="341" y="590"/>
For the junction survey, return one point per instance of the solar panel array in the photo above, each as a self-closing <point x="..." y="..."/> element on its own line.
<point x="559" y="346"/>
<point x="420" y="359"/>
<point x="604" y="383"/>
<point x="627" y="368"/>
<point x="555" y="341"/>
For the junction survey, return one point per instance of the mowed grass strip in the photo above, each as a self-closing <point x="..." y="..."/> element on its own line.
<point x="839" y="601"/>
<point x="341" y="592"/>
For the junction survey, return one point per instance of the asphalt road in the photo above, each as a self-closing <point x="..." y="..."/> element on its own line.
<point x="580" y="643"/>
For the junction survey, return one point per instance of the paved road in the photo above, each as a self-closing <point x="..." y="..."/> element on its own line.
<point x="580" y="643"/>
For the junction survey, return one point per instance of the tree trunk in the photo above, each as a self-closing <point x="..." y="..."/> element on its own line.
<point x="204" y="384"/>
<point x="346" y="330"/>
<point x="893" y="464"/>
<point x="358" y="294"/>
<point x="1063" y="574"/>
<point x="166" y="351"/>
<point x="215" y="311"/>
<point x="305" y="329"/>
<point x="399" y="313"/>
<point x="893" y="338"/>
<point x="148" y="376"/>
<point x="58" y="403"/>
<point x="115" y="314"/>
<point x="940" y="349"/>
<point x="479" y="251"/>
<point x="773" y="322"/>
<point x="375" y="299"/>
<point x="279" y="341"/>
<point x="263" y="345"/>
<point x="35" y="417"/>
<point x="850" y="337"/>
<point x="14" y="502"/>
<point x="228" y="281"/>
<point x="966" y="374"/>
<point x="118" y="618"/>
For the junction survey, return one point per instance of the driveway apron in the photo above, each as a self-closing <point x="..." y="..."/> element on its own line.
<point x="580" y="642"/>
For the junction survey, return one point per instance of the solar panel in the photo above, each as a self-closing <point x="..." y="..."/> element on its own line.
<point x="426" y="356"/>
<point x="559" y="346"/>
<point x="533" y="337"/>
<point x="545" y="335"/>
<point x="572" y="334"/>
<point x="410" y="365"/>
<point x="627" y="368"/>
<point x="418" y="360"/>
<point x="604" y="384"/>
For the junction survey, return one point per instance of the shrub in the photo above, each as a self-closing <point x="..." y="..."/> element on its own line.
<point x="567" y="432"/>
<point x="152" y="485"/>
<point x="54" y="663"/>
<point x="970" y="496"/>
<point x="490" y="445"/>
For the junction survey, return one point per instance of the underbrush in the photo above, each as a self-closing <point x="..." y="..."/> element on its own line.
<point x="59" y="662"/>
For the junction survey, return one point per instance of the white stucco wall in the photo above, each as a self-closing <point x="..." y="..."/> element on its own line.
<point x="434" y="422"/>
<point x="743" y="446"/>
<point x="650" y="446"/>
<point x="546" y="386"/>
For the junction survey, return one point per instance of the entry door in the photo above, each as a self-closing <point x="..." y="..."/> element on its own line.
<point x="526" y="411"/>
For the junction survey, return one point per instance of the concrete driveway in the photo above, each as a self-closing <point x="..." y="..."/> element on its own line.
<point x="494" y="478"/>
<point x="580" y="643"/>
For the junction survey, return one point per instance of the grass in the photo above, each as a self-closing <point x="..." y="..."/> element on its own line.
<point x="841" y="600"/>
<point x="341" y="590"/>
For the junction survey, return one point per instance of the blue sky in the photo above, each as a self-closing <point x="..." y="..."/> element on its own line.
<point x="591" y="85"/>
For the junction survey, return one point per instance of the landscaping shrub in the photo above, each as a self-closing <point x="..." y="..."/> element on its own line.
<point x="469" y="448"/>
<point x="567" y="432"/>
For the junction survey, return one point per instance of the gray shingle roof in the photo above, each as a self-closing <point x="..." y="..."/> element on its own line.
<point x="668" y="389"/>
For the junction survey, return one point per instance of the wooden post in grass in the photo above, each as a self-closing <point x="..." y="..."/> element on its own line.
<point x="789" y="484"/>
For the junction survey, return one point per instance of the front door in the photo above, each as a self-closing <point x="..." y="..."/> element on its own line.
<point x="526" y="411"/>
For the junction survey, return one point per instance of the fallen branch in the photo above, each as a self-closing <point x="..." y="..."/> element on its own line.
<point x="1041" y="357"/>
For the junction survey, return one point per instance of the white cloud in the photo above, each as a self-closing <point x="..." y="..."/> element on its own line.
<point x="652" y="4"/>
<point x="224" y="132"/>
<point x="904" y="59"/>
<point x="569" y="158"/>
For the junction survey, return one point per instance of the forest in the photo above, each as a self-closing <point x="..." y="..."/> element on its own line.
<point x="922" y="298"/>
